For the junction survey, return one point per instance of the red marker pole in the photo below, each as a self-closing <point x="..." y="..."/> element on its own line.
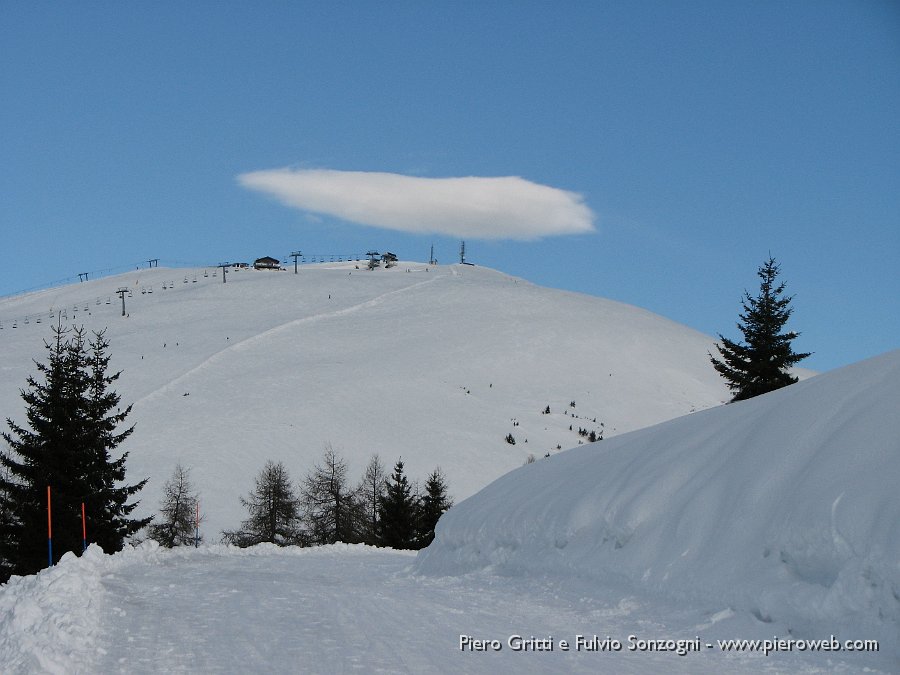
<point x="83" y="530"/>
<point x="49" y="532"/>
<point x="197" y="527"/>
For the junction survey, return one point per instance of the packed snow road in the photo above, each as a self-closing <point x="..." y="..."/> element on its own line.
<point x="339" y="609"/>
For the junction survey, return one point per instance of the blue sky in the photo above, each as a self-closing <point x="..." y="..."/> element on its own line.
<point x="697" y="136"/>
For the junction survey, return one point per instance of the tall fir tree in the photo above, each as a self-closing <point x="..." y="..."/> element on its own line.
<point x="65" y="448"/>
<point x="434" y="504"/>
<point x="30" y="467"/>
<point x="397" y="509"/>
<point x="762" y="362"/>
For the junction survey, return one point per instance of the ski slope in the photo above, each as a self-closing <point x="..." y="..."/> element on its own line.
<point x="434" y="364"/>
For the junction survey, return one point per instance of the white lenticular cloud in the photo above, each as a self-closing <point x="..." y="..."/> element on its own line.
<point x="480" y="208"/>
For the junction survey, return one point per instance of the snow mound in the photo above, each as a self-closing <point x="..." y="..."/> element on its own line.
<point x="57" y="621"/>
<point x="784" y="507"/>
<point x="50" y="617"/>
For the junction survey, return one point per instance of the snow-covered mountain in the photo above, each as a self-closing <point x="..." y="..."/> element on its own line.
<point x="434" y="364"/>
<point x="773" y="520"/>
<point x="784" y="508"/>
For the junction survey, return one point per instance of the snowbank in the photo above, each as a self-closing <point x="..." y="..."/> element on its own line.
<point x="785" y="506"/>
<point x="53" y="621"/>
<point x="49" y="620"/>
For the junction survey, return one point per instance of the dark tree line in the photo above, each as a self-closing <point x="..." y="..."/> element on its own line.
<point x="380" y="510"/>
<point x="73" y="425"/>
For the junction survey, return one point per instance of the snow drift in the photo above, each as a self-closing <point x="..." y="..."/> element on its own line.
<point x="784" y="506"/>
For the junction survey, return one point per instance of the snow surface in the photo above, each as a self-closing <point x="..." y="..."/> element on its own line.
<point x="435" y="365"/>
<point x="784" y="508"/>
<point x="342" y="609"/>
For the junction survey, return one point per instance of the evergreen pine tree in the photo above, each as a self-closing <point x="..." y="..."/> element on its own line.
<point x="39" y="458"/>
<point x="397" y="512"/>
<point x="65" y="447"/>
<point x="434" y="504"/>
<point x="274" y="511"/>
<point x="178" y="512"/>
<point x="761" y="364"/>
